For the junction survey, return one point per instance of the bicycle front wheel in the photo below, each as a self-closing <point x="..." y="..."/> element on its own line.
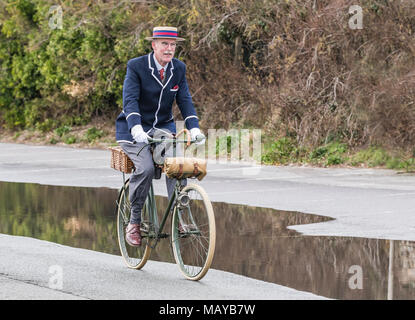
<point x="193" y="232"/>
<point x="134" y="257"/>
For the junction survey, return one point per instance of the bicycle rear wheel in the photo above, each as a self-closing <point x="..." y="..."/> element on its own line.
<point x="193" y="233"/>
<point x="134" y="257"/>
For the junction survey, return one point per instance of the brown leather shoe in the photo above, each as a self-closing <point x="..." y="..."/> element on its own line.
<point x="132" y="235"/>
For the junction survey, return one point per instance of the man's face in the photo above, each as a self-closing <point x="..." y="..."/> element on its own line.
<point x="164" y="50"/>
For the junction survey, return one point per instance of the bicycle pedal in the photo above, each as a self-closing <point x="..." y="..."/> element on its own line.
<point x="150" y="235"/>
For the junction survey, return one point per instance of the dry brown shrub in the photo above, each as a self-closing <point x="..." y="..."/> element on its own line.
<point x="297" y="67"/>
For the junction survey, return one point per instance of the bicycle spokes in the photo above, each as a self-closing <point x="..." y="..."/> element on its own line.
<point x="193" y="233"/>
<point x="124" y="209"/>
<point x="134" y="257"/>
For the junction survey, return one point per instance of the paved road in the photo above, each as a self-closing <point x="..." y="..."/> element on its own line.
<point x="370" y="203"/>
<point x="364" y="202"/>
<point x="37" y="269"/>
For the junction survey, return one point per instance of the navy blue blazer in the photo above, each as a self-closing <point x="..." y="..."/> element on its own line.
<point x="148" y="101"/>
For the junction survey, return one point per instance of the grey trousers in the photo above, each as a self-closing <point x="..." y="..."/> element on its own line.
<point x="141" y="178"/>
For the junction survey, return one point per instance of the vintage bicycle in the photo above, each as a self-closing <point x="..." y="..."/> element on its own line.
<point x="193" y="232"/>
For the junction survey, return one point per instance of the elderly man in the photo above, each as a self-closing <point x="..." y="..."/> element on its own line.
<point x="151" y="85"/>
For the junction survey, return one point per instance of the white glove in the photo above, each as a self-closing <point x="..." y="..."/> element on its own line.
<point x="194" y="133"/>
<point x="138" y="134"/>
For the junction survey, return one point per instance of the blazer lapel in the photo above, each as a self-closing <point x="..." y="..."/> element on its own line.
<point x="153" y="68"/>
<point x="169" y="72"/>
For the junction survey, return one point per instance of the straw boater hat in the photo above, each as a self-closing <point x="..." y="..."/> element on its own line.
<point x="165" y="33"/>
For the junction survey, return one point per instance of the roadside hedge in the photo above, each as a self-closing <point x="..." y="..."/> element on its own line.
<point x="293" y="68"/>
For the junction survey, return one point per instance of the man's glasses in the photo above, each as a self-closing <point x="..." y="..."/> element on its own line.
<point x="166" y="44"/>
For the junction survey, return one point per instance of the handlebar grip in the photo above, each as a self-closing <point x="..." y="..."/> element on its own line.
<point x="187" y="135"/>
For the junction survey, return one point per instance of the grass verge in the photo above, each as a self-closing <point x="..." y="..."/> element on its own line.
<point x="282" y="151"/>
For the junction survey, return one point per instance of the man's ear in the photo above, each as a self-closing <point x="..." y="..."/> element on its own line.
<point x="153" y="44"/>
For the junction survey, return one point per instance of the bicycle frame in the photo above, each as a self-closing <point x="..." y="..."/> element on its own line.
<point x="151" y="201"/>
<point x="151" y="204"/>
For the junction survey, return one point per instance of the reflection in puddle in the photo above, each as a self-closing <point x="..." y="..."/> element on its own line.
<point x="250" y="241"/>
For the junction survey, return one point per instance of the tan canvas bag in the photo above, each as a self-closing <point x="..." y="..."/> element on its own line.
<point x="181" y="167"/>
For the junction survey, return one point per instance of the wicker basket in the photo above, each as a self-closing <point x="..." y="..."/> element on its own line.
<point x="120" y="161"/>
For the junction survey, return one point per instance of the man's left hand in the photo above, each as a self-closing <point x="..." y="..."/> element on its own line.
<point x="196" y="134"/>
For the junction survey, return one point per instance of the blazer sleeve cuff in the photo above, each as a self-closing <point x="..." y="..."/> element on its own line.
<point x="133" y="119"/>
<point x="191" y="122"/>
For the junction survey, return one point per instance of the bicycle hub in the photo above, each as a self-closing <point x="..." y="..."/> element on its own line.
<point x="183" y="200"/>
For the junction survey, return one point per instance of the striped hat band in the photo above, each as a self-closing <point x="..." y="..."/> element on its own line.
<point x="165" y="33"/>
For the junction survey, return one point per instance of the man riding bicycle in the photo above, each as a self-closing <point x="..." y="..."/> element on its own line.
<point x="151" y="85"/>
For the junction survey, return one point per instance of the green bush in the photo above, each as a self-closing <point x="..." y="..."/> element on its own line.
<point x="373" y="157"/>
<point x="405" y="164"/>
<point x="282" y="151"/>
<point x="73" y="73"/>
<point x="319" y="153"/>
<point x="408" y="164"/>
<point x="333" y="153"/>
<point x="334" y="159"/>
<point x="92" y="134"/>
<point x="69" y="139"/>
<point x="393" y="163"/>
<point x="63" y="130"/>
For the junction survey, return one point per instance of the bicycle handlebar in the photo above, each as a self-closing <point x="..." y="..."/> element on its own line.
<point x="174" y="140"/>
<point x="154" y="140"/>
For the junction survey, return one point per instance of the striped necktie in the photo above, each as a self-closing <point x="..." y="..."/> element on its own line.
<point x="162" y="74"/>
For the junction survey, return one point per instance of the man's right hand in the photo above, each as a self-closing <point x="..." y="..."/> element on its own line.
<point x="138" y="134"/>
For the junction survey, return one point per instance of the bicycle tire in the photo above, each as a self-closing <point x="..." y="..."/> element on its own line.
<point x="134" y="257"/>
<point x="193" y="237"/>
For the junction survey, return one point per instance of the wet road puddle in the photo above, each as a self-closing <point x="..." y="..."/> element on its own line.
<point x="253" y="242"/>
